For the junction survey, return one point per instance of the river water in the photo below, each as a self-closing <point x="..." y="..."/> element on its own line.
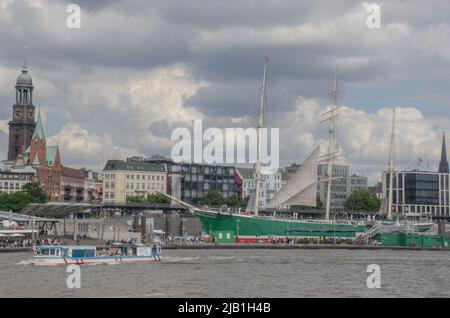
<point x="239" y="273"/>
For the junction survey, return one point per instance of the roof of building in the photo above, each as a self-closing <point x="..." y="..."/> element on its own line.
<point x="289" y="170"/>
<point x="50" y="154"/>
<point x="246" y="173"/>
<point x="36" y="161"/>
<point x="24" y="79"/>
<point x="72" y="172"/>
<point x="89" y="173"/>
<point x="39" y="129"/>
<point x="134" y="166"/>
<point x="19" y="217"/>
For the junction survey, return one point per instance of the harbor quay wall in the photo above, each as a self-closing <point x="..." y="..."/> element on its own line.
<point x="119" y="228"/>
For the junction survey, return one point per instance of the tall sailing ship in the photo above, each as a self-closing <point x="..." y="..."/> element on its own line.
<point x="300" y="189"/>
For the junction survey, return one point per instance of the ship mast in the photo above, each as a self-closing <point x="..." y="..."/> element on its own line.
<point x="258" y="143"/>
<point x="391" y="167"/>
<point x="332" y="115"/>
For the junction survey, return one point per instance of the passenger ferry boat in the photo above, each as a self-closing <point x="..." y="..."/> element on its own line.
<point x="85" y="255"/>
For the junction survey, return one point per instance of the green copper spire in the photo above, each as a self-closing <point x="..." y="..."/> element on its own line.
<point x="39" y="130"/>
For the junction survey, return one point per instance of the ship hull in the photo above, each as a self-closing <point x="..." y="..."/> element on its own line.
<point x="92" y="260"/>
<point x="249" y="229"/>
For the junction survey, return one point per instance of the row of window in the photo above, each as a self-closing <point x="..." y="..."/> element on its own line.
<point x="435" y="210"/>
<point x="109" y="195"/>
<point x="201" y="194"/>
<point x="252" y="185"/>
<point x="110" y="185"/>
<point x="150" y="186"/>
<point x="208" y="170"/>
<point x="11" y="185"/>
<point x="208" y="186"/>
<point x="15" y="176"/>
<point x="149" y="177"/>
<point x="359" y="181"/>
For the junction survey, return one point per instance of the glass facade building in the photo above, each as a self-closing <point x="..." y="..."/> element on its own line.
<point x="190" y="182"/>
<point x="419" y="193"/>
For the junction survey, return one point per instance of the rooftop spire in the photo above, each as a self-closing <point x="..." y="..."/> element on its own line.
<point x="39" y="130"/>
<point x="24" y="67"/>
<point x="443" y="165"/>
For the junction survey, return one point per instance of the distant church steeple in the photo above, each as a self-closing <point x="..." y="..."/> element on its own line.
<point x="443" y="165"/>
<point x="21" y="127"/>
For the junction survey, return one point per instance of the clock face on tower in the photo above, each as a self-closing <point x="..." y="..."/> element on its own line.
<point x="18" y="113"/>
<point x="30" y="114"/>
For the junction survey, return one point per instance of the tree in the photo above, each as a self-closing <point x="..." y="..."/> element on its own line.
<point x="244" y="201"/>
<point x="157" y="198"/>
<point x="213" y="198"/>
<point x="363" y="200"/>
<point x="30" y="193"/>
<point x="153" y="198"/>
<point x="233" y="201"/>
<point x="35" y="192"/>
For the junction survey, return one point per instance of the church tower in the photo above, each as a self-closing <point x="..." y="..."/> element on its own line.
<point x="443" y="165"/>
<point x="21" y="128"/>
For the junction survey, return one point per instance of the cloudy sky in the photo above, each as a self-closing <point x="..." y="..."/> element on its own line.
<point x="136" y="70"/>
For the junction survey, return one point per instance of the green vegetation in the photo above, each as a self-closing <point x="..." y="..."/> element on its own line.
<point x="363" y="200"/>
<point x="214" y="198"/>
<point x="15" y="202"/>
<point x="153" y="198"/>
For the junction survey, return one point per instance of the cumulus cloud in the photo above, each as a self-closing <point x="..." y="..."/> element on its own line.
<point x="364" y="137"/>
<point x="80" y="148"/>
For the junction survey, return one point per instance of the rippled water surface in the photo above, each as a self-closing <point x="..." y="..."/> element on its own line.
<point x="239" y="273"/>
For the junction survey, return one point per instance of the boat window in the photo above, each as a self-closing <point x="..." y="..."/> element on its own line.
<point x="83" y="253"/>
<point x="57" y="252"/>
<point x="52" y="251"/>
<point x="45" y="251"/>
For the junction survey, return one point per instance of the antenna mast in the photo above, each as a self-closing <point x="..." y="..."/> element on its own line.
<point x="260" y="125"/>
<point x="331" y="116"/>
<point x="391" y="167"/>
<point x="25" y="51"/>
